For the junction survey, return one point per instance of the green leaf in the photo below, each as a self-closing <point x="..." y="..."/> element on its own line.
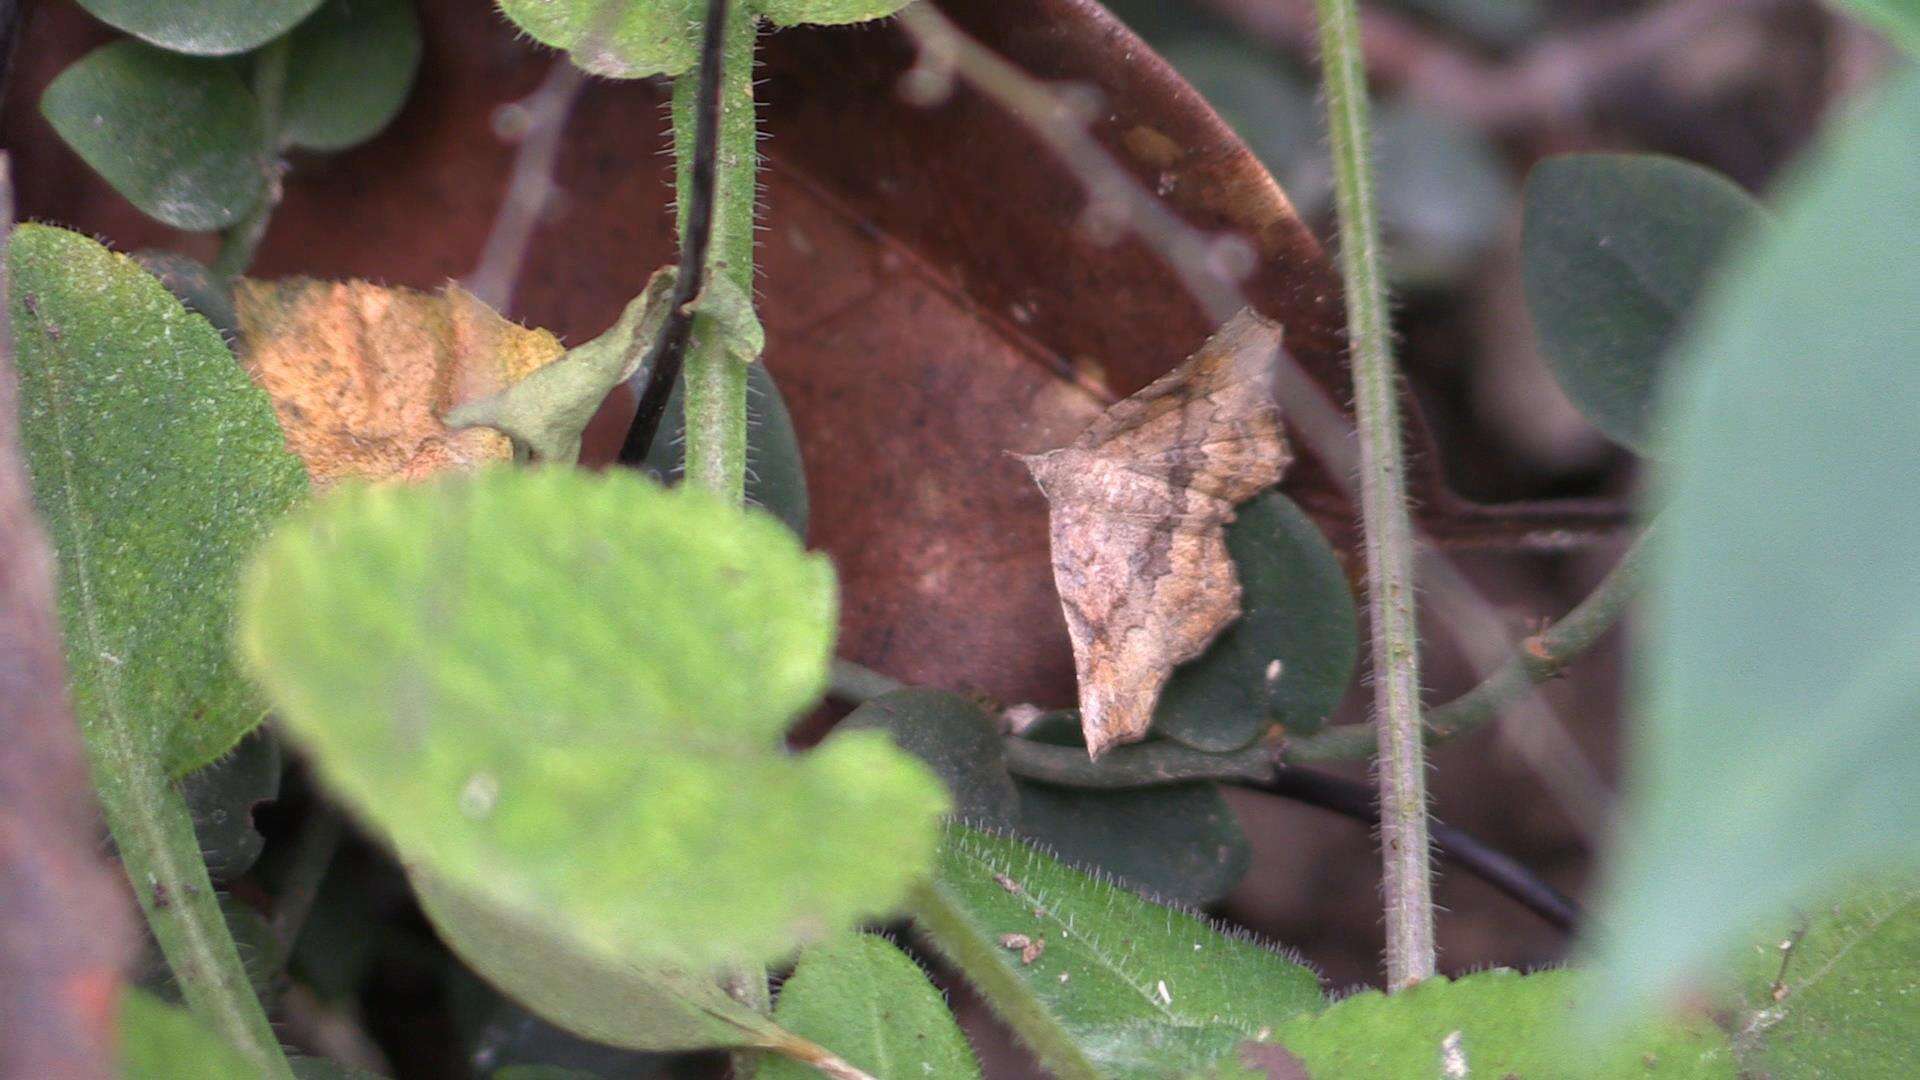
<point x="630" y="39"/>
<point x="157" y="467"/>
<point x="485" y="663"/>
<point x="1898" y="19"/>
<point x="1844" y="1003"/>
<point x="189" y="280"/>
<point x="507" y="1037"/>
<point x="776" y="480"/>
<point x="203" y="27"/>
<point x="222" y="795"/>
<point x="542" y="964"/>
<point x="1616" y="251"/>
<point x="178" y="136"/>
<point x="826" y="12"/>
<point x="1117" y="970"/>
<point x="348" y="72"/>
<point x="958" y="738"/>
<point x="542" y="1072"/>
<point x="1777" y="743"/>
<point x="1180" y="842"/>
<point x="1496" y="1023"/>
<point x="871" y="1004"/>
<point x="1177" y="841"/>
<point x="1290" y="657"/>
<point x="161" y="1042"/>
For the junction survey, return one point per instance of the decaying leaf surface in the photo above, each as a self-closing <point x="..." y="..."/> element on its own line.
<point x="1138" y="506"/>
<point x="361" y="374"/>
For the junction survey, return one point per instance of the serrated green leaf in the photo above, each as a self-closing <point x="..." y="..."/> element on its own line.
<point x="484" y="664"/>
<point x="157" y="467"/>
<point x="161" y="1042"/>
<point x="222" y="795"/>
<point x="958" y="739"/>
<point x="203" y="27"/>
<point x="178" y="136"/>
<point x="870" y="1004"/>
<point x="630" y="39"/>
<point x="540" y="963"/>
<point x="1847" y="1001"/>
<point x="349" y="68"/>
<point x="1777" y="746"/>
<point x="1289" y="658"/>
<point x="1496" y="1023"/>
<point x="1114" y="968"/>
<point x="776" y="478"/>
<point x="1617" y="250"/>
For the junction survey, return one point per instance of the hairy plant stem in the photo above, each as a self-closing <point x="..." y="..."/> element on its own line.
<point x="716" y="381"/>
<point x="984" y="962"/>
<point x="238" y="244"/>
<point x="1407" y="879"/>
<point x="151" y="825"/>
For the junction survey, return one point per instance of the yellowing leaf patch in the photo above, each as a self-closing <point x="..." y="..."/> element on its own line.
<point x="361" y="374"/>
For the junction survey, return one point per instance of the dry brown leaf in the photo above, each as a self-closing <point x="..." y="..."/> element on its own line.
<point x="361" y="374"/>
<point x="1138" y="507"/>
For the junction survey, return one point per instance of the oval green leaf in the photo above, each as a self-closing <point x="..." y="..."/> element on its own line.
<point x="1290" y="657"/>
<point x="566" y="694"/>
<point x="348" y="72"/>
<point x="178" y="136"/>
<point x="631" y="39"/>
<point x="826" y="12"/>
<point x="159" y="1041"/>
<point x="1146" y="991"/>
<point x="203" y="27"/>
<point x="776" y="480"/>
<point x="1178" y="841"/>
<point x="1777" y="747"/>
<point x="1616" y="250"/>
<point x="1496" y="1023"/>
<point x="869" y="1003"/>
<point x="958" y="739"/>
<point x="157" y="467"/>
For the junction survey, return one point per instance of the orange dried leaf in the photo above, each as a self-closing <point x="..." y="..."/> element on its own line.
<point x="361" y="374"/>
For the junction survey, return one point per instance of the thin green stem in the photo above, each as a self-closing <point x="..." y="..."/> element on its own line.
<point x="984" y="963"/>
<point x="1539" y="658"/>
<point x="154" y="831"/>
<point x="238" y="244"/>
<point x="1389" y="542"/>
<point x="716" y="381"/>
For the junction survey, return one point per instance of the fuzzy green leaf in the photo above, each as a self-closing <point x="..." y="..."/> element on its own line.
<point x="222" y="796"/>
<point x="630" y="39"/>
<point x="178" y="136"/>
<point x="826" y="12"/>
<point x="540" y="964"/>
<point x="958" y="739"/>
<point x="1180" y="842"/>
<point x="348" y="72"/>
<point x="1617" y="250"/>
<point x="1777" y="744"/>
<point x="189" y="280"/>
<point x="161" y="1042"/>
<point x="1289" y="658"/>
<point x="157" y="467"/>
<point x="1116" y="970"/>
<point x="1495" y="1023"/>
<point x="566" y="694"/>
<point x="868" y="1002"/>
<point x="1847" y="1002"/>
<point x="203" y="27"/>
